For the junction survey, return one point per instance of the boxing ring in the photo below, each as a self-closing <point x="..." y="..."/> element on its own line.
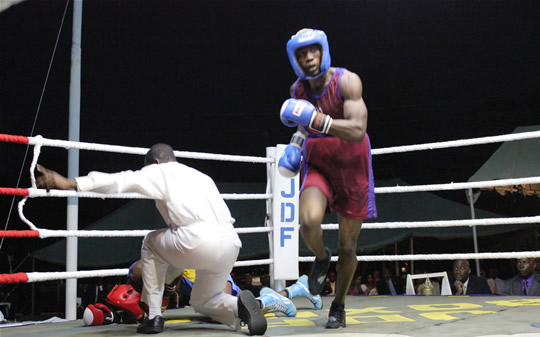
<point x="401" y="315"/>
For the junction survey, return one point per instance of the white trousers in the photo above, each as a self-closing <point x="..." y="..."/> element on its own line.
<point x="209" y="250"/>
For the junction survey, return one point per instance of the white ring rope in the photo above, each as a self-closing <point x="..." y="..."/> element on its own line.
<point x="37" y="151"/>
<point x="34" y="192"/>
<point x="37" y="192"/>
<point x="253" y="262"/>
<point x="20" y="207"/>
<point x="48" y="276"/>
<point x="457" y="143"/>
<point x="458" y="186"/>
<point x="430" y="257"/>
<point x="142" y="151"/>
<point x="46" y="233"/>
<point x="443" y="223"/>
<point x="49" y="233"/>
<point x="209" y="156"/>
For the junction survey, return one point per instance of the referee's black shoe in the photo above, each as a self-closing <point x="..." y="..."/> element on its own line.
<point x="318" y="273"/>
<point x="250" y="313"/>
<point x="150" y="326"/>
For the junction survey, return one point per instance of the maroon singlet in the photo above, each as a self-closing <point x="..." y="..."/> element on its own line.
<point x="339" y="168"/>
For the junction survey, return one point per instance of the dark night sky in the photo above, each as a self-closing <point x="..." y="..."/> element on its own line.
<point x="210" y="76"/>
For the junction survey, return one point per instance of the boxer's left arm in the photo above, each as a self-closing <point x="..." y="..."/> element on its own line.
<point x="300" y="128"/>
<point x="353" y="127"/>
<point x="301" y="112"/>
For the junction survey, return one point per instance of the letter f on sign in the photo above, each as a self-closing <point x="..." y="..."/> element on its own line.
<point x="284" y="236"/>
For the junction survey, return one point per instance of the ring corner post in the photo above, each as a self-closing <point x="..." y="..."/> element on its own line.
<point x="285" y="221"/>
<point x="73" y="159"/>
<point x="271" y="154"/>
<point x="471" y="199"/>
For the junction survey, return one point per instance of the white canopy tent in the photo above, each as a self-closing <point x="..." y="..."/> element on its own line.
<point x="513" y="159"/>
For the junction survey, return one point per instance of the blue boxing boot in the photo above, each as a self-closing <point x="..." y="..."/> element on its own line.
<point x="272" y="301"/>
<point x="300" y="288"/>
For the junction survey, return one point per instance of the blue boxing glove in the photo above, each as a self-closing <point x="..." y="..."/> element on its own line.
<point x="298" y="111"/>
<point x="289" y="163"/>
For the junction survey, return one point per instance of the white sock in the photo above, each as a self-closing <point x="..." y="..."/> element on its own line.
<point x="152" y="313"/>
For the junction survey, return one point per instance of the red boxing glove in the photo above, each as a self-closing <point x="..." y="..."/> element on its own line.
<point x="98" y="314"/>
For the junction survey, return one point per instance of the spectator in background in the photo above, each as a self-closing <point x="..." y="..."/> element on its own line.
<point x="329" y="286"/>
<point x="403" y="279"/>
<point x="357" y="287"/>
<point x="376" y="276"/>
<point x="463" y="283"/>
<point x="495" y="283"/>
<point x="371" y="287"/>
<point x="483" y="273"/>
<point x="526" y="282"/>
<point x="389" y="285"/>
<point x="332" y="277"/>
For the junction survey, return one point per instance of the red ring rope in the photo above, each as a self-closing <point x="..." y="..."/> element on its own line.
<point x="23" y="192"/>
<point x="19" y="234"/>
<point x="14" y="278"/>
<point x="13" y="139"/>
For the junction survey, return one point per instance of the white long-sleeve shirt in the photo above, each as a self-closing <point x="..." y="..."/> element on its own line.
<point x="183" y="195"/>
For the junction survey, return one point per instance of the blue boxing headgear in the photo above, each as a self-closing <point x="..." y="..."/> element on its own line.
<point x="306" y="37"/>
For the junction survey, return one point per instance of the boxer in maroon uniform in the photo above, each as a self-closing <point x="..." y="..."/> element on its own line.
<point x="328" y="108"/>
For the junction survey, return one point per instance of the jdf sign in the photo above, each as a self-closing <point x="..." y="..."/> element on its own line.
<point x="285" y="222"/>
